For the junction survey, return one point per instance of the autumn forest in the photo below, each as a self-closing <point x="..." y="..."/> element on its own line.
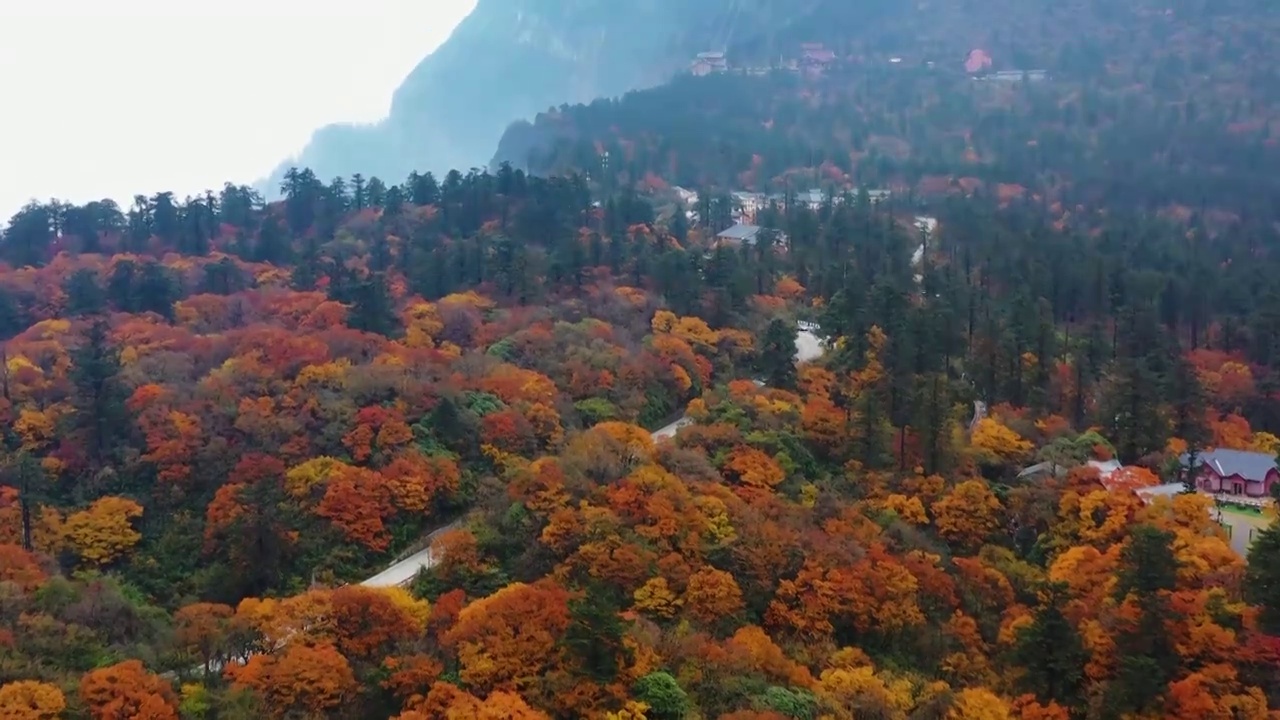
<point x="582" y="408"/>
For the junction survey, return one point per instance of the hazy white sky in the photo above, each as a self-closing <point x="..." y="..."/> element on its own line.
<point x="111" y="98"/>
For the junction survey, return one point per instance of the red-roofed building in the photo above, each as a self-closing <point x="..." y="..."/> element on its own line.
<point x="816" y="56"/>
<point x="977" y="61"/>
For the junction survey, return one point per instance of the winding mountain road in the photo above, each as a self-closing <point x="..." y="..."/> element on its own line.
<point x="808" y="348"/>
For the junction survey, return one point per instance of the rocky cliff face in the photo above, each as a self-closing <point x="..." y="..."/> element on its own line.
<point x="509" y="59"/>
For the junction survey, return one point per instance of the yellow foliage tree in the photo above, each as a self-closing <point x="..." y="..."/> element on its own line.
<point x="695" y="331"/>
<point x="1098" y="518"/>
<point x="37" y="428"/>
<point x="1265" y="442"/>
<point x="968" y="514"/>
<point x="657" y="598"/>
<point x="419" y="611"/>
<point x="104" y="532"/>
<point x="636" y="441"/>
<point x="422" y="325"/>
<point x="850" y="689"/>
<point x="31" y="700"/>
<point x="995" y="442"/>
<point x="908" y="509"/>
<point x="663" y="321"/>
<point x="979" y="704"/>
<point x="300" y="479"/>
<point x="332" y="375"/>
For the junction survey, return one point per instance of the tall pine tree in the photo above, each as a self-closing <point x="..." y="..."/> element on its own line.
<point x="777" y="359"/>
<point x="100" y="415"/>
<point x="1051" y="654"/>
<point x="1147" y="657"/>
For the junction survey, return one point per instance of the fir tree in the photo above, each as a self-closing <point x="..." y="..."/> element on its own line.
<point x="776" y="362"/>
<point x="100" y="415"/>
<point x="85" y="295"/>
<point x="1052" y="654"/>
<point x="373" y="309"/>
<point x="595" y="633"/>
<point x="1147" y="656"/>
<point x="1262" y="577"/>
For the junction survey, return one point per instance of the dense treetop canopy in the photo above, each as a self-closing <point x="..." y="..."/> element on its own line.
<point x="221" y="414"/>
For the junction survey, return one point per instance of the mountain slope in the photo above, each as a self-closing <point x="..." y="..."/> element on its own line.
<point x="508" y="59"/>
<point x="511" y="59"/>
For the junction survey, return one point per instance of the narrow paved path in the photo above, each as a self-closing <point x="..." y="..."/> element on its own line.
<point x="404" y="571"/>
<point x="808" y="349"/>
<point x="1243" y="526"/>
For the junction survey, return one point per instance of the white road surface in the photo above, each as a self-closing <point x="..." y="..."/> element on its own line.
<point x="808" y="349"/>
<point x="1243" y="526"/>
<point x="404" y="571"/>
<point x="670" y="429"/>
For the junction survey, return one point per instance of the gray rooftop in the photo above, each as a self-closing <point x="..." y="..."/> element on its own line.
<point x="1043" y="468"/>
<point x="741" y="233"/>
<point x="1167" y="490"/>
<point x="1248" y="465"/>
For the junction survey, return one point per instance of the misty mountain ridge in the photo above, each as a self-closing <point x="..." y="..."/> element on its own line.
<point x="510" y="60"/>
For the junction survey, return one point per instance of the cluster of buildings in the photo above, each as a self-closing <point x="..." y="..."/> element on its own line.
<point x="1238" y="476"/>
<point x="1229" y="477"/>
<point x="814" y="59"/>
<point x="747" y="205"/>
<point x="1013" y="76"/>
<point x="979" y="63"/>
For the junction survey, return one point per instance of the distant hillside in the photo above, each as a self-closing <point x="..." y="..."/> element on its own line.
<point x="511" y="59"/>
<point x="1162" y="109"/>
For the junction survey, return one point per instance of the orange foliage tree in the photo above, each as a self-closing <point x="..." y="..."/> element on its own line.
<point x="510" y="638"/>
<point x="201" y="629"/>
<point x="754" y="468"/>
<point x="415" y="481"/>
<point x="20" y="567"/>
<point x="127" y="691"/>
<point x="356" y="501"/>
<point x="301" y="681"/>
<point x="367" y="621"/>
<point x="968" y="514"/>
<point x="712" y="595"/>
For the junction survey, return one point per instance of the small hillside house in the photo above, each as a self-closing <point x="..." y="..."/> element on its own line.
<point x="709" y="62"/>
<point x="1235" y="472"/>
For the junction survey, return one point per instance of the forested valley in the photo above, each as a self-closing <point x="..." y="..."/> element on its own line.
<point x="1035" y="307"/>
